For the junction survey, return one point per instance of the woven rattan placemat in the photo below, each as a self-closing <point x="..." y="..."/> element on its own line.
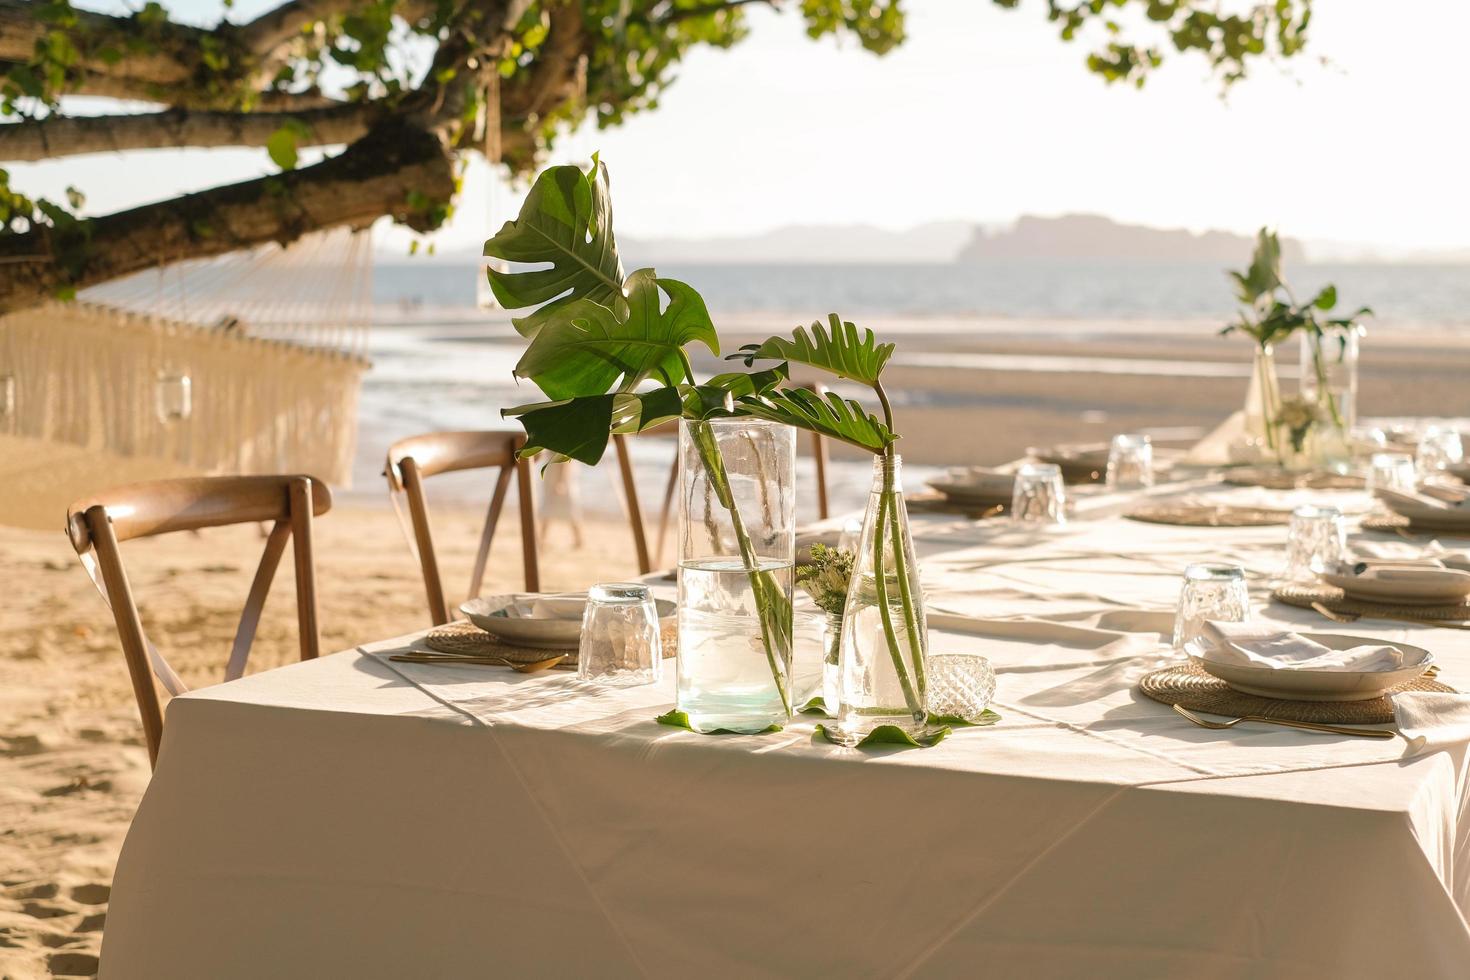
<point x="1274" y="479"/>
<point x="1392" y="523"/>
<point x="466" y="638"/>
<point x="1190" y="686"/>
<point x="1202" y="515"/>
<point x="1303" y="595"/>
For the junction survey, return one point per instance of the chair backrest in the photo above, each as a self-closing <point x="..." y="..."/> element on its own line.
<point x="819" y="457"/>
<point x="95" y="525"/>
<point x="414" y="459"/>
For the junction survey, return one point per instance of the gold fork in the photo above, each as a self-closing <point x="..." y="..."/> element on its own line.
<point x="1341" y="617"/>
<point x="1307" y="725"/>
<point x="450" y="658"/>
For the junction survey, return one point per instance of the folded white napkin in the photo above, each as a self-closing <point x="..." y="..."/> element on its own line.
<point x="1407" y="553"/>
<point x="560" y="605"/>
<point x="1432" y="720"/>
<point x="1248" y="645"/>
<point x="1416" y="573"/>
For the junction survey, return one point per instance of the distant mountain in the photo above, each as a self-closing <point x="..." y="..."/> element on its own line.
<point x="1093" y="236"/>
<point x="806" y="244"/>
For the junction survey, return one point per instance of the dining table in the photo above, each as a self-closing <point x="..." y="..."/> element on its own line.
<point x="356" y="816"/>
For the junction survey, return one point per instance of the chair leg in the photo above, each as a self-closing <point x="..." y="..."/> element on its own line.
<point x="630" y="496"/>
<point x="492" y="518"/>
<point x="418" y="511"/>
<point x="129" y="627"/>
<point x="528" y="519"/>
<point x="301" y="519"/>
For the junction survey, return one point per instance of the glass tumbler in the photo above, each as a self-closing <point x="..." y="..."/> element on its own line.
<point x="1391" y="471"/>
<point x="1209" y="591"/>
<point x="1039" y="496"/>
<point x="1130" y="462"/>
<point x="620" y="637"/>
<point x="1439" y="449"/>
<point x="1316" y="541"/>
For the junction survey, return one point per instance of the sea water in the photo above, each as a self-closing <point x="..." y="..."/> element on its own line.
<point x="725" y="678"/>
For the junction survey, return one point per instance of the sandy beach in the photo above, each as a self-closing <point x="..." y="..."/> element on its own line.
<point x="72" y="765"/>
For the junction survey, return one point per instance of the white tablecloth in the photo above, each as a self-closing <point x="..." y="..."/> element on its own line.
<point x="357" y="817"/>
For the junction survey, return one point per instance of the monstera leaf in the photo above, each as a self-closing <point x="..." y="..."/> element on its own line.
<point x="566" y="221"/>
<point x="842" y="350"/>
<point x="586" y="349"/>
<point x="579" y="428"/>
<point x="829" y="415"/>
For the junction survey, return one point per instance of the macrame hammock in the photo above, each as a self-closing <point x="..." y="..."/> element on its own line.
<point x="246" y="363"/>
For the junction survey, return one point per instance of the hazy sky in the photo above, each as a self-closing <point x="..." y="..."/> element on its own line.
<point x="983" y="115"/>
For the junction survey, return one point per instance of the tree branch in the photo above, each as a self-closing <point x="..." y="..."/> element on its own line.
<point x="675" y="14"/>
<point x="395" y="170"/>
<point x="169" y="56"/>
<point x="64" y="136"/>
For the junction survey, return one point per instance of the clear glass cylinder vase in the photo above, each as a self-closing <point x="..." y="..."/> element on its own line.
<point x="1329" y="380"/>
<point x="737" y="550"/>
<point x="885" y="638"/>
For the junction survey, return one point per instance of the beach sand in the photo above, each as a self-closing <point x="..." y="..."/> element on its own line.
<point x="72" y="764"/>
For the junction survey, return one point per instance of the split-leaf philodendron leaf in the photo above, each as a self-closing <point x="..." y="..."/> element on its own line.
<point x="566" y="221"/>
<point x="828" y="414"/>
<point x="587" y="349"/>
<point x="842" y="350"/>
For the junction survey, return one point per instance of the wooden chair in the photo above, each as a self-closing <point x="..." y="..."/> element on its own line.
<point x="97" y="524"/>
<point x="412" y="460"/>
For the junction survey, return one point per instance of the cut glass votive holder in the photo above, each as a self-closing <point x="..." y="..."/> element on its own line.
<point x="621" y="645"/>
<point x="1316" y="541"/>
<point x="960" y="686"/>
<point x="1209" y="591"/>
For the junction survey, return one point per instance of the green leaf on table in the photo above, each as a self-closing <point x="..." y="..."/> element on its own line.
<point x="840" y="350"/>
<point x="827" y="414"/>
<point x="566" y="221"/>
<point x="680" y="719"/>
<point x="893" y="735"/>
<point x="986" y="719"/>
<point x="586" y="348"/>
<point x="816" y="706"/>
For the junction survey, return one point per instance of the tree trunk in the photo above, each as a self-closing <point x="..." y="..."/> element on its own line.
<point x="396" y="169"/>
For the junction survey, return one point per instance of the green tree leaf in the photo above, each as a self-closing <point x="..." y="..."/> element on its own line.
<point x="828" y="414"/>
<point x="566" y="221"/>
<point x="840" y="350"/>
<point x="282" y="144"/>
<point x="586" y="349"/>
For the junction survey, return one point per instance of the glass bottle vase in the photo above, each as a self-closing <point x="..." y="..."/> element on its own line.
<point x="1329" y="380"/>
<point x="1262" y="410"/>
<point x="885" y="638"/>
<point x="737" y="550"/>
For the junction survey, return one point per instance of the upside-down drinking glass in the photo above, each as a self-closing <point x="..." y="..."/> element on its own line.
<point x="1316" y="541"/>
<point x="1439" y="449"/>
<point x="620" y="637"/>
<point x="1391" y="471"/>
<point x="1130" y="462"/>
<point x="1209" y="591"/>
<point x="1039" y="496"/>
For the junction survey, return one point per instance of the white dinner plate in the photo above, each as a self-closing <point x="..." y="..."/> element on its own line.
<point x="1443" y="589"/>
<point x="1434" y="517"/>
<point x="495" y="614"/>
<point x="1315" y="685"/>
<point x="979" y="486"/>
